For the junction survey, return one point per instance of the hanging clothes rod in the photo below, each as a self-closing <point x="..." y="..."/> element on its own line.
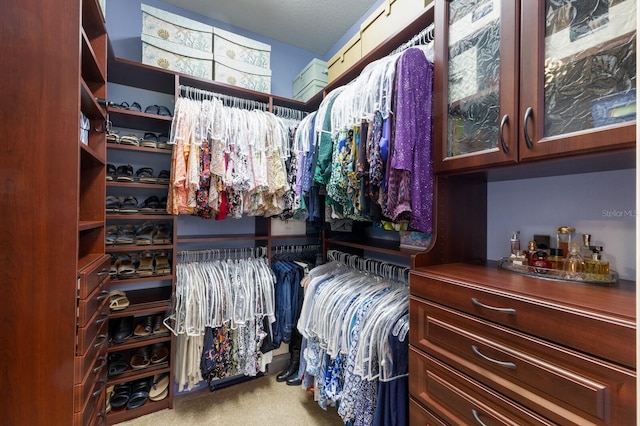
<point x="221" y="254"/>
<point x="423" y="37"/>
<point x="289" y="113"/>
<point x="227" y="100"/>
<point x="382" y="269"/>
<point x="299" y="248"/>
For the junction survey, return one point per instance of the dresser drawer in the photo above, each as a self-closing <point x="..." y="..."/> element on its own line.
<point x="419" y="416"/>
<point x="96" y="349"/>
<point x="93" y="411"/>
<point x="459" y="400"/>
<point x="87" y="307"/>
<point x="96" y="373"/>
<point x="563" y="385"/>
<point x="96" y="326"/>
<point x="93" y="275"/>
<point x="598" y="333"/>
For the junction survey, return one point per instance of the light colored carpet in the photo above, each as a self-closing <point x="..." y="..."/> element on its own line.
<point x="262" y="401"/>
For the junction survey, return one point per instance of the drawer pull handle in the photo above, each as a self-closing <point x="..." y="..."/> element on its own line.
<point x="102" y="364"/>
<point x="103" y="385"/>
<point x="476" y="416"/>
<point x="509" y="365"/>
<point x="509" y="311"/>
<point x="102" y="418"/>
<point x="101" y="340"/>
<point x="103" y="295"/>
<point x="103" y="273"/>
<point x="103" y="317"/>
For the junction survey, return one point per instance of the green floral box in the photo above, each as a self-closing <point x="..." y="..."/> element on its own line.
<point x="241" y="74"/>
<point x="176" y="29"/>
<point x="170" y="56"/>
<point x="241" y="49"/>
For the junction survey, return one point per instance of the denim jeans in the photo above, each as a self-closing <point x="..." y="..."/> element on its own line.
<point x="288" y="276"/>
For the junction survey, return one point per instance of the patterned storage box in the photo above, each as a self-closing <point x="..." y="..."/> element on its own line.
<point x="241" y="49"/>
<point x="315" y="72"/>
<point x="241" y="74"/>
<point x="174" y="57"/>
<point x="176" y="29"/>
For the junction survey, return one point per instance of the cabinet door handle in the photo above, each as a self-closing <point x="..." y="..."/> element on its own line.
<point x="509" y="365"/>
<point x="509" y="311"/>
<point x="476" y="417"/>
<point x="527" y="115"/>
<point x="505" y="120"/>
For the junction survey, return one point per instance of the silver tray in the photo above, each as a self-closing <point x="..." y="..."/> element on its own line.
<point x="610" y="279"/>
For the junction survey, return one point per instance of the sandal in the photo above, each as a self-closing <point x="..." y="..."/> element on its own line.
<point x="112" y="137"/>
<point x="151" y="204"/>
<point x="113" y="271"/>
<point x="135" y="107"/>
<point x="163" y="233"/>
<point x="163" y="142"/>
<point x="132" y="140"/>
<point x="162" y="263"/>
<point x="159" y="387"/>
<point x="125" y="267"/>
<point x="146" y="268"/>
<point x="129" y="205"/>
<point x="145" y="175"/>
<point x="121" y="393"/>
<point x="158" y="325"/>
<point x="150" y="140"/>
<point x="124" y="173"/>
<point x="163" y="176"/>
<point x="140" y="358"/>
<point x="118" y="364"/>
<point x="118" y="300"/>
<point x="111" y="172"/>
<point x="152" y="109"/>
<point x="159" y="353"/>
<point x="111" y="234"/>
<point x="137" y="399"/>
<point x="144" y="327"/>
<point x="113" y="203"/>
<point x="164" y="111"/>
<point x="144" y="235"/>
<point x="126" y="234"/>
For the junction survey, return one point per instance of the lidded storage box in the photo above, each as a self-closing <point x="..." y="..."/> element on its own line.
<point x="311" y="80"/>
<point x="241" y="49"/>
<point x="176" y="29"/>
<point x="164" y="54"/>
<point x="241" y="74"/>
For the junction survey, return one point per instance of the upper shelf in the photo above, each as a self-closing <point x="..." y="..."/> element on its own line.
<point x="136" y="74"/>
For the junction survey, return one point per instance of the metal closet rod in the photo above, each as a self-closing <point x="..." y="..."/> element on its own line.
<point x="290" y="113"/>
<point x="221" y="254"/>
<point x="423" y="37"/>
<point x="382" y="269"/>
<point x="228" y="100"/>
<point x="296" y="248"/>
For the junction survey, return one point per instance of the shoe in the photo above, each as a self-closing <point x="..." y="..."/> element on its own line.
<point x="129" y="205"/>
<point x="294" y="381"/>
<point x="118" y="299"/>
<point x="149" y="140"/>
<point x="164" y="111"/>
<point x="131" y="140"/>
<point x="121" y="394"/>
<point x="146" y="267"/>
<point x="145" y="175"/>
<point x="118" y="363"/>
<point x="113" y="204"/>
<point x="163" y="176"/>
<point x="124" y="173"/>
<point x="112" y="173"/>
<point x="163" y="267"/>
<point x="163" y="232"/>
<point x="143" y="328"/>
<point x="151" y="205"/>
<point x="112" y="234"/>
<point x="163" y="142"/>
<point x="123" y="329"/>
<point x="140" y="358"/>
<point x="292" y="370"/>
<point x="159" y="353"/>
<point x="159" y="387"/>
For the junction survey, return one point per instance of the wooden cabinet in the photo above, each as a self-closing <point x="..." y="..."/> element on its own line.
<point x="519" y="82"/>
<point x="492" y="344"/>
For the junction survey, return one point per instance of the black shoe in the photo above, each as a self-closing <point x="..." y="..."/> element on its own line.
<point x="292" y="369"/>
<point x="294" y="381"/>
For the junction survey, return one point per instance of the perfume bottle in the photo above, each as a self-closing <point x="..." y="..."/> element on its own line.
<point x="515" y="242"/>
<point x="564" y="237"/>
<point x="596" y="268"/>
<point x="574" y="266"/>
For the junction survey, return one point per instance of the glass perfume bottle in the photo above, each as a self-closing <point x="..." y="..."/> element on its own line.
<point x="574" y="266"/>
<point x="564" y="237"/>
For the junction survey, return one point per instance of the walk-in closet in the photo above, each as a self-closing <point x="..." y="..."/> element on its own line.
<point x="363" y="213"/>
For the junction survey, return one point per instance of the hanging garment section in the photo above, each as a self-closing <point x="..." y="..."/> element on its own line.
<point x="373" y="142"/>
<point x="223" y="311"/>
<point x="355" y="344"/>
<point x="232" y="158"/>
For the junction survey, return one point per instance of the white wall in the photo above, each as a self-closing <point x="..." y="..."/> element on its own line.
<point x="602" y="204"/>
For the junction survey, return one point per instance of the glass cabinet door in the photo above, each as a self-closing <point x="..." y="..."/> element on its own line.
<point x="584" y="93"/>
<point x="475" y="119"/>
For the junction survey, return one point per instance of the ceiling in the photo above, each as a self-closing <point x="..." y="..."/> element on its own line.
<point x="313" y="25"/>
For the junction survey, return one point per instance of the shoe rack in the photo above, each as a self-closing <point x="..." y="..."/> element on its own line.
<point x="140" y="239"/>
